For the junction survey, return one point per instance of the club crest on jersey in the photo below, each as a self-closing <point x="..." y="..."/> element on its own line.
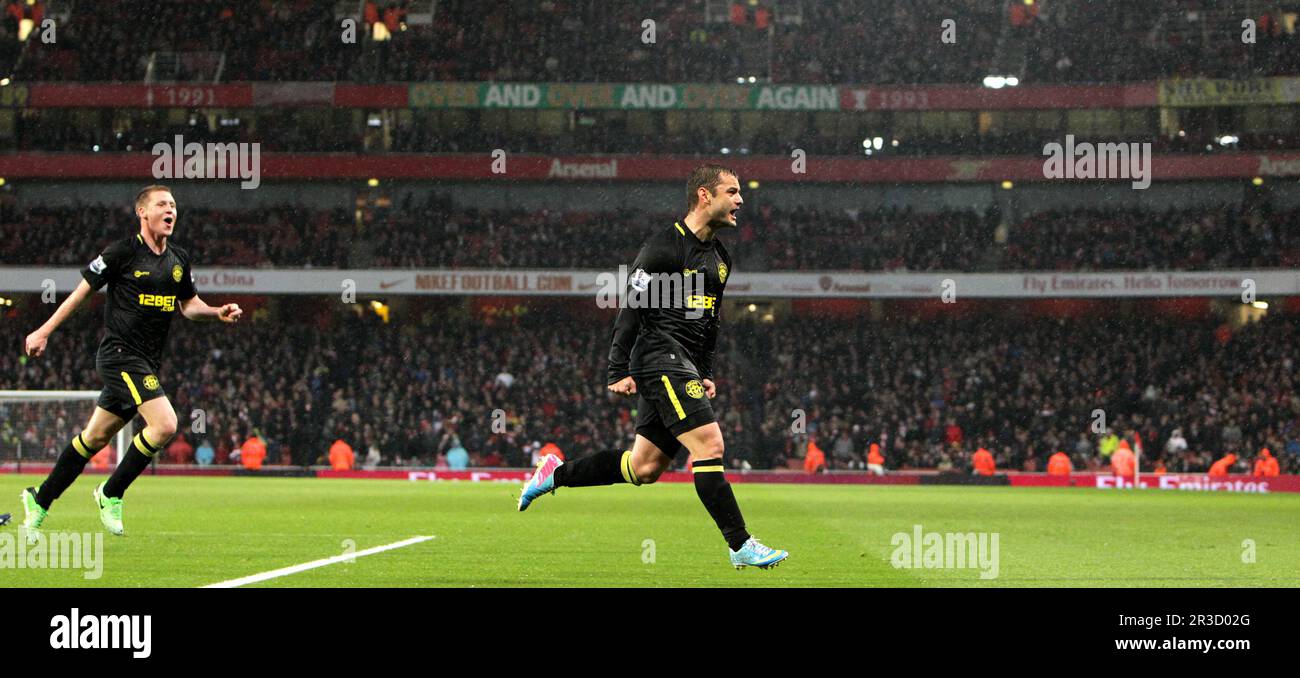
<point x="722" y="272"/>
<point x="694" y="389"/>
<point x="151" y="383"/>
<point x="176" y="273"/>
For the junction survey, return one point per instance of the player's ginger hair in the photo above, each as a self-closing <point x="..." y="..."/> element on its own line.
<point x="143" y="196"/>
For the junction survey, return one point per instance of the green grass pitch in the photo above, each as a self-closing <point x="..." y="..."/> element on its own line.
<point x="190" y="531"/>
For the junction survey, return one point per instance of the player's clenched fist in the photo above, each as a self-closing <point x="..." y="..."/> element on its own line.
<point x="34" y="346"/>
<point x="230" y="313"/>
<point x="625" y="386"/>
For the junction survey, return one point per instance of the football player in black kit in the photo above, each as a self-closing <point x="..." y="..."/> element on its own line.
<point x="662" y="349"/>
<point x="149" y="280"/>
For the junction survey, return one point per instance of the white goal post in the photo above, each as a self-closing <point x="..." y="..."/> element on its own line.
<point x="36" y="425"/>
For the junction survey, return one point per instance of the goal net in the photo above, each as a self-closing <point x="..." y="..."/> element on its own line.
<point x="35" y="426"/>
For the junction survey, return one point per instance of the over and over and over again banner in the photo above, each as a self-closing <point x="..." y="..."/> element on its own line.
<point x="607" y="285"/>
<point x="651" y="96"/>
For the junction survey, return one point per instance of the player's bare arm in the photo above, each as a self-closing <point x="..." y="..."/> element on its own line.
<point x="195" y="308"/>
<point x="34" y="346"/>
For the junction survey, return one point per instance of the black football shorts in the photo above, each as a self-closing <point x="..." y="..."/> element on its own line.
<point x="128" y="382"/>
<point x="670" y="405"/>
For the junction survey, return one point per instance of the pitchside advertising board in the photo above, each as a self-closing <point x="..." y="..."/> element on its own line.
<point x="1190" y="482"/>
<point x="1101" y="481"/>
<point x="1168" y="481"/>
<point x="609" y="284"/>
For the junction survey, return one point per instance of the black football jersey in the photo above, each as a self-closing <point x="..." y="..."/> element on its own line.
<point x="144" y="294"/>
<point x="675" y="334"/>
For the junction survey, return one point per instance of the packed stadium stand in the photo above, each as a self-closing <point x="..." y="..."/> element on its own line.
<point x="837" y="41"/>
<point x="438" y="234"/>
<point x="1022" y="385"/>
<point x="1193" y="377"/>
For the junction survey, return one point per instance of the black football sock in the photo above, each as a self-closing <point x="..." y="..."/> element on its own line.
<point x="716" y="495"/>
<point x="606" y="467"/>
<point x="133" y="463"/>
<point x="71" y="462"/>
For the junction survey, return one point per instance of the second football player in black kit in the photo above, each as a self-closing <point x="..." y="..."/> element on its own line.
<point x="664" y="340"/>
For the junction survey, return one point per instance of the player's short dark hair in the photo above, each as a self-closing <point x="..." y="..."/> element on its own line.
<point x="143" y="195"/>
<point x="707" y="176"/>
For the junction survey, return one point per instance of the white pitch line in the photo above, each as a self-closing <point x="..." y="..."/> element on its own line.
<point x="294" y="569"/>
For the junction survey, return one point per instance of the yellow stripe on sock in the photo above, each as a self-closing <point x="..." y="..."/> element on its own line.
<point x="672" y="395"/>
<point x="707" y="469"/>
<point x="131" y="385"/>
<point x="142" y="444"/>
<point x="80" y="446"/>
<point x="626" y="467"/>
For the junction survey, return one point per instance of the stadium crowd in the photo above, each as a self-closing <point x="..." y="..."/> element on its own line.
<point x="422" y="391"/>
<point x="436" y="233"/>
<point x="866" y="41"/>
<point x="931" y="392"/>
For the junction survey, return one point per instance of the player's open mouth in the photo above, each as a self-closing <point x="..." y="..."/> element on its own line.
<point x="168" y="220"/>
